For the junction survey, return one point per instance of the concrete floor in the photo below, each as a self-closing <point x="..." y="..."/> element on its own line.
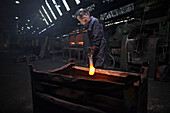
<point x="15" y="85"/>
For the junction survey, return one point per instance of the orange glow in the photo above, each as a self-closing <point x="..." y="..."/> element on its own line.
<point x="92" y="69"/>
<point x="81" y="43"/>
<point x="72" y="43"/>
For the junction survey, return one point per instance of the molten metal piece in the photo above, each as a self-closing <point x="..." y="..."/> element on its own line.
<point x="92" y="69"/>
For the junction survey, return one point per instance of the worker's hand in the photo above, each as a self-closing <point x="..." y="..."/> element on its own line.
<point x="94" y="49"/>
<point x="91" y="53"/>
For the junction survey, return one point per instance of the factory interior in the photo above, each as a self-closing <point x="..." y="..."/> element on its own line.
<point x="45" y="65"/>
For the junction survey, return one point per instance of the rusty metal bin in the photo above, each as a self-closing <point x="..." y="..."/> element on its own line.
<point x="70" y="89"/>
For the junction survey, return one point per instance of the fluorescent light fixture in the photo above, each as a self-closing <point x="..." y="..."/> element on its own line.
<point x="116" y="22"/>
<point x="66" y="5"/>
<point x="16" y="18"/>
<point x="17" y="2"/>
<point x="42" y="31"/>
<point x="28" y="27"/>
<point x="44" y="17"/>
<point x="46" y="14"/>
<point x="77" y="2"/>
<point x="50" y="9"/>
<point x="52" y="24"/>
<point x="125" y="20"/>
<point x="57" y="7"/>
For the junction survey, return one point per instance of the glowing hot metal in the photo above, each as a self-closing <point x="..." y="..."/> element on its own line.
<point x="92" y="69"/>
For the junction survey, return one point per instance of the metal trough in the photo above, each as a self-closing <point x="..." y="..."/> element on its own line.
<point x="70" y="89"/>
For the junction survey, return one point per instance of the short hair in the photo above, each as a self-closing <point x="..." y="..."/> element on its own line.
<point x="81" y="12"/>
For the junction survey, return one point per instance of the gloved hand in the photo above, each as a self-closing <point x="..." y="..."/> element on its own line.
<point x="94" y="48"/>
<point x="91" y="53"/>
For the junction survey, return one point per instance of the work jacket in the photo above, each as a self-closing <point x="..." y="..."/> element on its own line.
<point x="97" y="41"/>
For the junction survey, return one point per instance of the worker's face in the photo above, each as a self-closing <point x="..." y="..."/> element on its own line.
<point x="84" y="19"/>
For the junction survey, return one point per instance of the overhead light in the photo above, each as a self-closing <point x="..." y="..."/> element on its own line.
<point x="26" y="24"/>
<point x="66" y="5"/>
<point x="46" y="13"/>
<point x="50" y="9"/>
<point x="17" y="2"/>
<point x="52" y="24"/>
<point x="31" y="26"/>
<point x="132" y="18"/>
<point x="117" y="22"/>
<point x="125" y="20"/>
<point x="77" y="2"/>
<point x="42" y="31"/>
<point x="57" y="7"/>
<point x="28" y="20"/>
<point x="28" y="27"/>
<point x="16" y="18"/>
<point x="37" y="27"/>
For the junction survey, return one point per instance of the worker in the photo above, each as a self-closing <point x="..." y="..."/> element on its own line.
<point x="95" y="34"/>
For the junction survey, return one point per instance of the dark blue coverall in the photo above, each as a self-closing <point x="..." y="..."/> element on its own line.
<point x="97" y="40"/>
